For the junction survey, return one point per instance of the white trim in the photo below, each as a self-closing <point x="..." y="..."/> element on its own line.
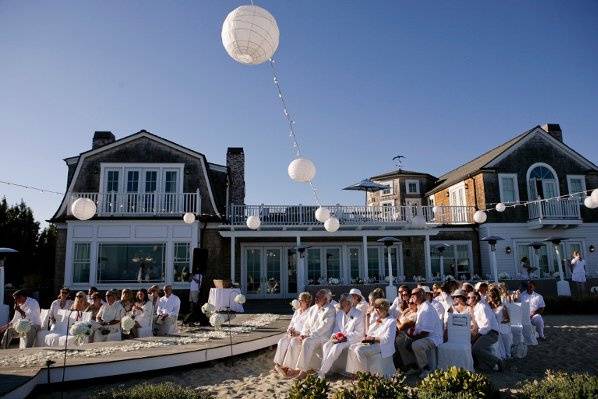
<point x="583" y="184"/>
<point x="320" y="234"/>
<point x="455" y="188"/>
<point x="513" y="176"/>
<point x="454" y="243"/>
<point x="550" y="168"/>
<point x="390" y="184"/>
<point x="407" y="182"/>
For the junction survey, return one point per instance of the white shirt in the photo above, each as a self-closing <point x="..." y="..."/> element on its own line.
<point x="169" y="306"/>
<point x="351" y="324"/>
<point x="395" y="308"/>
<point x="579" y="270"/>
<point x="439" y="308"/>
<point x="536" y="301"/>
<point x="445" y="299"/>
<point x="32" y="312"/>
<point x="386" y="332"/>
<point x="111" y="312"/>
<point x="145" y="316"/>
<point x="485" y="318"/>
<point x="427" y="320"/>
<point x="298" y="320"/>
<point x="55" y="307"/>
<point x="195" y="282"/>
<point x="319" y="322"/>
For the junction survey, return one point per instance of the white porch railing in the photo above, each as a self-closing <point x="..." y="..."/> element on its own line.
<point x="141" y="204"/>
<point x="555" y="209"/>
<point x="304" y="215"/>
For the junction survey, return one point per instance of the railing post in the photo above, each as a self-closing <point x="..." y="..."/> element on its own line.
<point x="197" y="201"/>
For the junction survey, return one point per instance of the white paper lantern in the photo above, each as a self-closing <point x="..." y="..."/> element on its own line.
<point x="302" y="170"/>
<point x="436" y="209"/>
<point x="322" y="214"/>
<point x="250" y="35"/>
<point x="500" y="207"/>
<point x="480" y="217"/>
<point x="418" y="221"/>
<point x="83" y="208"/>
<point x="254" y="222"/>
<point x="332" y="224"/>
<point x="589" y="203"/>
<point x="595" y="196"/>
<point x="189" y="217"/>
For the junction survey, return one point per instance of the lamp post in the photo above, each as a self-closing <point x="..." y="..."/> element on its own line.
<point x="562" y="286"/>
<point x="391" y="290"/>
<point x="300" y="267"/>
<point x="492" y="240"/>
<point x="3" y="308"/>
<point x="441" y="248"/>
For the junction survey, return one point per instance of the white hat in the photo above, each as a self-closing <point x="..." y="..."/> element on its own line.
<point x="426" y="289"/>
<point x="355" y="291"/>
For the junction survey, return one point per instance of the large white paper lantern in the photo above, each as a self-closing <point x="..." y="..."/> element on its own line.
<point x="480" y="217"/>
<point x="418" y="221"/>
<point x="302" y="170"/>
<point x="589" y="203"/>
<point x="595" y="196"/>
<point x="332" y="224"/>
<point x="83" y="208"/>
<point x="189" y="217"/>
<point x="254" y="222"/>
<point x="322" y="214"/>
<point x="250" y="35"/>
<point x="500" y="207"/>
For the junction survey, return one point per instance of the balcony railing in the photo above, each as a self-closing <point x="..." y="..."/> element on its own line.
<point x="302" y="215"/>
<point x="555" y="209"/>
<point x="141" y="204"/>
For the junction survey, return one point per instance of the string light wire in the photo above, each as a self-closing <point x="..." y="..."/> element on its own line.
<point x="42" y="190"/>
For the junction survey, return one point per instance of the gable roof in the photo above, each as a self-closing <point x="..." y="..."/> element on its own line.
<point x="401" y="172"/>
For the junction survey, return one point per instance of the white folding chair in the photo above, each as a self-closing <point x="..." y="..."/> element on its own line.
<point x="40" y="339"/>
<point x="529" y="331"/>
<point x="518" y="346"/>
<point x="457" y="350"/>
<point x="58" y="329"/>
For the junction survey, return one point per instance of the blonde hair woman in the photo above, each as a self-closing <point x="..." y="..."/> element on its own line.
<point x="293" y="331"/>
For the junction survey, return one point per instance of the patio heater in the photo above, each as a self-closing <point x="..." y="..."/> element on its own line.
<point x="441" y="248"/>
<point x="300" y="267"/>
<point x="4" y="310"/>
<point x="391" y="290"/>
<point x="492" y="240"/>
<point x="562" y="286"/>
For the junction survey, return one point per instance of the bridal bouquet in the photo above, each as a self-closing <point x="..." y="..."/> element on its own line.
<point x="240" y="299"/>
<point x="208" y="309"/>
<point x="80" y="330"/>
<point x="295" y="304"/>
<point x="216" y="320"/>
<point x="22" y="327"/>
<point x="127" y="323"/>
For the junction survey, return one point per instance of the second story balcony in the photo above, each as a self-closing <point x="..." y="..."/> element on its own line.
<point x="142" y="204"/>
<point x="565" y="211"/>
<point x="349" y="216"/>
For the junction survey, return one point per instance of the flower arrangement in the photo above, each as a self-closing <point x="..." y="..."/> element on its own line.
<point x="127" y="323"/>
<point x="208" y="309"/>
<point x="240" y="299"/>
<point x="216" y="320"/>
<point x="22" y="327"/>
<point x="503" y="276"/>
<point x="419" y="279"/>
<point x="322" y="281"/>
<point x="340" y="337"/>
<point x="334" y="281"/>
<point x="475" y="277"/>
<point x="357" y="280"/>
<point x="81" y="330"/>
<point x="295" y="304"/>
<point x="449" y="277"/>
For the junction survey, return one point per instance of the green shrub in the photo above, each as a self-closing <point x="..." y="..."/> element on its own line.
<point x="311" y="387"/>
<point x="165" y="390"/>
<point x="560" y="385"/>
<point x="370" y="386"/>
<point x="456" y="382"/>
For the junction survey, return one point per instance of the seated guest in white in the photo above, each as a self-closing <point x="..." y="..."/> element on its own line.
<point x="424" y="337"/>
<point x="358" y="301"/>
<point x="61" y="303"/>
<point x="373" y="353"/>
<point x="536" y="307"/>
<point x="485" y="334"/>
<point x="433" y="302"/>
<point x="444" y="296"/>
<point x="142" y="312"/>
<point x="90" y="292"/>
<point x="108" y="318"/>
<point x="80" y="305"/>
<point x="25" y="308"/>
<point x="94" y="308"/>
<point x="482" y="288"/>
<point x="371" y="314"/>
<point x="395" y="308"/>
<point x="167" y="311"/>
<point x="293" y="331"/>
<point x="153" y="295"/>
<point x="316" y="331"/>
<point x="459" y="306"/>
<point x="348" y="330"/>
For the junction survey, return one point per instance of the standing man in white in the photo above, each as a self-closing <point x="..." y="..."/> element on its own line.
<point x="316" y="332"/>
<point x="167" y="311"/>
<point x="348" y="330"/>
<point x="536" y="308"/>
<point x="578" y="271"/>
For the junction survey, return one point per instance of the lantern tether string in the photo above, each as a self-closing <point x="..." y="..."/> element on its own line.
<point x="42" y="190"/>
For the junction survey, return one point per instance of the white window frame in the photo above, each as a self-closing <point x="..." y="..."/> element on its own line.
<point x="431" y="200"/>
<point x="512" y="176"/>
<point x="583" y="184"/>
<point x="453" y="244"/>
<point x="390" y="184"/>
<point x="123" y="168"/>
<point x="409" y="181"/>
<point x="455" y="188"/>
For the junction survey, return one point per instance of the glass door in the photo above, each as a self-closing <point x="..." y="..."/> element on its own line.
<point x="271" y="271"/>
<point x="354" y="264"/>
<point x="253" y="278"/>
<point x="110" y="204"/>
<point x="150" y="190"/>
<point x="332" y="261"/>
<point x="132" y="191"/>
<point x="170" y="190"/>
<point x="292" y="258"/>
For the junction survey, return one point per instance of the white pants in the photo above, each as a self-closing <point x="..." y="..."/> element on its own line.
<point x="538" y="322"/>
<point x="331" y="352"/>
<point x="281" y="349"/>
<point x="365" y="358"/>
<point x="309" y="346"/>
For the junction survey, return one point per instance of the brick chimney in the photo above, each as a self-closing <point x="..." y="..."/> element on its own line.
<point x="102" y="138"/>
<point x="235" y="163"/>
<point x="554" y="129"/>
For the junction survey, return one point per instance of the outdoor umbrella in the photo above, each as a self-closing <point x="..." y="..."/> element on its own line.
<point x="366" y="185"/>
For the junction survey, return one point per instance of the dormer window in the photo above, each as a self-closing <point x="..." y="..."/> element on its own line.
<point x="542" y="182"/>
<point x="141" y="178"/>
<point x="412" y="186"/>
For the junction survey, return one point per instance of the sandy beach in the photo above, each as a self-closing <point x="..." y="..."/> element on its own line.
<point x="572" y="345"/>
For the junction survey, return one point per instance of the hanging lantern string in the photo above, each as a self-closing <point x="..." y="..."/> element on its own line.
<point x="291" y="123"/>
<point x="490" y="206"/>
<point x="41" y="190"/>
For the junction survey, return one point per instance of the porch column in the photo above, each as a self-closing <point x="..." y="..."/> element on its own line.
<point x="233" y="259"/>
<point x="427" y="258"/>
<point x="365" y="257"/>
<point x="300" y="268"/>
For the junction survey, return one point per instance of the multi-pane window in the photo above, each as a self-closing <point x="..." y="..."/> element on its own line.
<point x="456" y="260"/>
<point x="354" y="262"/>
<point x="373" y="264"/>
<point x="508" y="188"/>
<point x="333" y="263"/>
<point x="131" y="262"/>
<point x="170" y="180"/>
<point x="81" y="262"/>
<point x="112" y="183"/>
<point x="182" y="261"/>
<point x="151" y="181"/>
<point x="254" y="271"/>
<point x="314" y="271"/>
<point x="412" y="186"/>
<point x="132" y="181"/>
<point x="577" y="186"/>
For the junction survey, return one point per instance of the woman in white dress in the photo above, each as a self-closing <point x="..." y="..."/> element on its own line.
<point x="374" y="353"/>
<point x="61" y="303"/>
<point x="143" y="312"/>
<point x="578" y="271"/>
<point x="294" y="330"/>
<point x="504" y="323"/>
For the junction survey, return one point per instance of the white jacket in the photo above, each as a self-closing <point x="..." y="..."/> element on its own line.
<point x="386" y="331"/>
<point x="319" y="322"/>
<point x="351" y="324"/>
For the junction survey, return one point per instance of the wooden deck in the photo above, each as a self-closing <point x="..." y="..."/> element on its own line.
<point x="130" y="356"/>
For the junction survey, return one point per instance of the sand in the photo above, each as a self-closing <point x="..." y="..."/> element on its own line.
<point x="572" y="345"/>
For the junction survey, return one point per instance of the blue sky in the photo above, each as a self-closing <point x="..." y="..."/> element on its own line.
<point x="438" y="82"/>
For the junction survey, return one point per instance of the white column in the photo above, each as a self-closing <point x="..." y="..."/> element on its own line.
<point x="233" y="258"/>
<point x="364" y="249"/>
<point x="428" y="261"/>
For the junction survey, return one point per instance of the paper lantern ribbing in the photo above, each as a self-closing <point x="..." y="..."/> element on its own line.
<point x="189" y="217"/>
<point x="302" y="170"/>
<point x="83" y="208"/>
<point x="480" y="217"/>
<point x="500" y="207"/>
<point x="322" y="214"/>
<point x="332" y="224"/>
<point x="254" y="222"/>
<point x="250" y="35"/>
<point x="594" y="196"/>
<point x="589" y="203"/>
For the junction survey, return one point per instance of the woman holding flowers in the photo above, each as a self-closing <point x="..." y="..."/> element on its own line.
<point x="142" y="312"/>
<point x="294" y="330"/>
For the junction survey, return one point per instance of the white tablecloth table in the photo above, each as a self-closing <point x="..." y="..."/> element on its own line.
<point x="223" y="297"/>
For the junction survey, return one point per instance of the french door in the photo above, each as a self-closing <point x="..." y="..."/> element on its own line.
<point x="263" y="272"/>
